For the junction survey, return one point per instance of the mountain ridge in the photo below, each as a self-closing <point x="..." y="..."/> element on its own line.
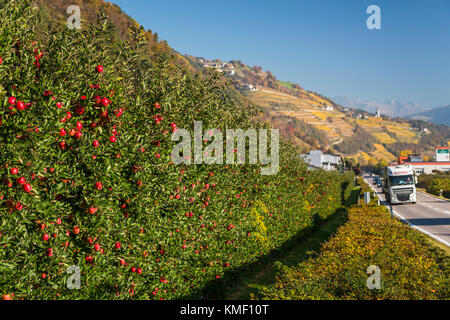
<point x="392" y="107"/>
<point x="439" y="115"/>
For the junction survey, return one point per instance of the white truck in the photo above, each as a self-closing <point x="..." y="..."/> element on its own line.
<point x="399" y="184"/>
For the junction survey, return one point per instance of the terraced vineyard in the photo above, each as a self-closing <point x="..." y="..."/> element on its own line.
<point x="335" y="125"/>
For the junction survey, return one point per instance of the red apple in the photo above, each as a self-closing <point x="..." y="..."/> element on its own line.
<point x="19" y="206"/>
<point x="21" y="180"/>
<point x="26" y="187"/>
<point x="12" y="100"/>
<point x="20" y="105"/>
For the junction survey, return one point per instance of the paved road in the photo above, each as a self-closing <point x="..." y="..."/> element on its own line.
<point x="429" y="215"/>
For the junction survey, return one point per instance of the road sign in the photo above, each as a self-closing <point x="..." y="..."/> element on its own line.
<point x="367" y="197"/>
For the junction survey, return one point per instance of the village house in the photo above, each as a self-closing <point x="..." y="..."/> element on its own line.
<point x="249" y="87"/>
<point x="316" y="159"/>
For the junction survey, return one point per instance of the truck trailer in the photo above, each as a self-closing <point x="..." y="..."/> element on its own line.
<point x="399" y="184"/>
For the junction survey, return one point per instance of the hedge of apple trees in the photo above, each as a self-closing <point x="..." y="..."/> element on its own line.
<point x="87" y="178"/>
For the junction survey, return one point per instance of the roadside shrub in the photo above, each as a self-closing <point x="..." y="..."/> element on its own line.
<point x="424" y="180"/>
<point x="364" y="186"/>
<point x="410" y="267"/>
<point x="433" y="183"/>
<point x="439" y="184"/>
<point x="347" y="186"/>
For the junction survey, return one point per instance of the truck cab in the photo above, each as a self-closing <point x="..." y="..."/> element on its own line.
<point x="399" y="184"/>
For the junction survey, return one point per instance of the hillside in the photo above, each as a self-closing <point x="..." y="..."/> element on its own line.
<point x="244" y="75"/>
<point x="302" y="116"/>
<point x="353" y="133"/>
<point x="439" y="115"/>
<point x="53" y="16"/>
<point x="313" y="121"/>
<point x="366" y="139"/>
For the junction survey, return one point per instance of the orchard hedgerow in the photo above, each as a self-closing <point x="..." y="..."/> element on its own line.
<point x="94" y="185"/>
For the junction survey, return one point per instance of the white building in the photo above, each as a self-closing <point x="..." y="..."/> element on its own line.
<point x="429" y="167"/>
<point x="316" y="159"/>
<point x="442" y="162"/>
<point x="214" y="65"/>
<point x="250" y="87"/>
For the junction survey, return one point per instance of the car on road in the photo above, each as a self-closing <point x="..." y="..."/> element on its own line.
<point x="378" y="182"/>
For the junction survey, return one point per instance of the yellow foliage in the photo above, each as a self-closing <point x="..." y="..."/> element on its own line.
<point x="405" y="153"/>
<point x="257" y="213"/>
<point x="319" y="114"/>
<point x="383" y="137"/>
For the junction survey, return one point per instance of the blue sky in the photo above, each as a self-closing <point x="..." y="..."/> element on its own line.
<point x="323" y="45"/>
